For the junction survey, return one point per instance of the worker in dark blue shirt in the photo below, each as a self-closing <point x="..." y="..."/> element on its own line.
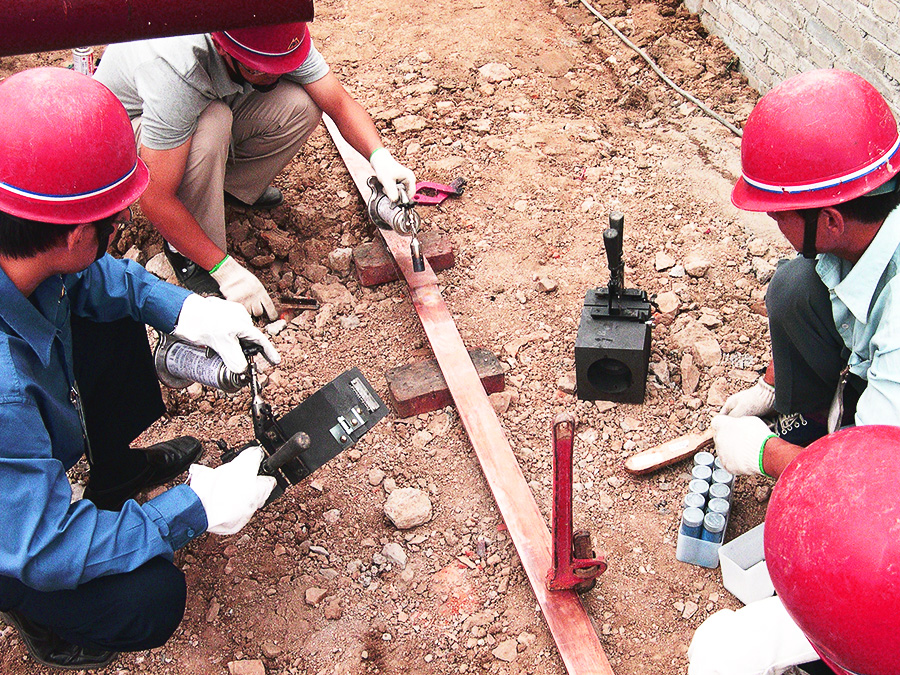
<point x="83" y="580"/>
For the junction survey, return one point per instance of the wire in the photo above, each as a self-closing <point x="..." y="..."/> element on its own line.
<point x="656" y="69"/>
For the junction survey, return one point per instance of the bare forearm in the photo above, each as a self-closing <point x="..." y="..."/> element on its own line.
<point x="177" y="226"/>
<point x="777" y="454"/>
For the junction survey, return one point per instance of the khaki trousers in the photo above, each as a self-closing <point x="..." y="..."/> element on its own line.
<point x="240" y="148"/>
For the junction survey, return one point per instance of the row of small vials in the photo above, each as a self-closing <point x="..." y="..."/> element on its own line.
<point x="708" y="501"/>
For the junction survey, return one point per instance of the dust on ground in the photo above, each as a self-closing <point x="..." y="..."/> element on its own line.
<point x="554" y="122"/>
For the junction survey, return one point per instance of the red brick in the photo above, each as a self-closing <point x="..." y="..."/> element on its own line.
<point x="420" y="387"/>
<point x="374" y="265"/>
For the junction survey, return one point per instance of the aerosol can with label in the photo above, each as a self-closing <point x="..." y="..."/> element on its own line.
<point x="180" y="363"/>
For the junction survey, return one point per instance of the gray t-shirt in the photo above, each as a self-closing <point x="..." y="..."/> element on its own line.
<point x="168" y="82"/>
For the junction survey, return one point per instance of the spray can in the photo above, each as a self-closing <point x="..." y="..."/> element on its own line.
<point x="83" y="60"/>
<point x="180" y="363"/>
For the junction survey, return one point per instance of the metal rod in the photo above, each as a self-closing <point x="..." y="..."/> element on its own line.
<point x="31" y="26"/>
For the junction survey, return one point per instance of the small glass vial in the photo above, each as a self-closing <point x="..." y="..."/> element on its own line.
<point x="704" y="458"/>
<point x="717" y="464"/>
<point x="723" y="476"/>
<point x="692" y="499"/>
<point x="719" y="491"/>
<point x="691" y="522"/>
<point x="713" y="528"/>
<point x="700" y="487"/>
<point x="718" y="505"/>
<point x="702" y="472"/>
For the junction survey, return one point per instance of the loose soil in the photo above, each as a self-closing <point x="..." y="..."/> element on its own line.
<point x="567" y="125"/>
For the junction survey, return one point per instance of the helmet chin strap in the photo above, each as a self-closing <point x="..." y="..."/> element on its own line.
<point x="811" y="226"/>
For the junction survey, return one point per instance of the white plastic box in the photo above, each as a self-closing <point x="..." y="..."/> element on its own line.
<point x="744" y="570"/>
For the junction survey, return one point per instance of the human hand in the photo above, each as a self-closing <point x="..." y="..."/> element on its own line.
<point x="219" y="324"/>
<point x="231" y="493"/>
<point x="239" y="285"/>
<point x="390" y="173"/>
<point x="757" y="401"/>
<point x="740" y="442"/>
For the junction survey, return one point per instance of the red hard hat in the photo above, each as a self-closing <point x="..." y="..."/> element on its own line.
<point x="817" y="139"/>
<point x="275" y="50"/>
<point x="832" y="546"/>
<point x="67" y="150"/>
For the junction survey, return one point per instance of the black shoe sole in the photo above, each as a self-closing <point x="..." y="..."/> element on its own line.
<point x="13" y="621"/>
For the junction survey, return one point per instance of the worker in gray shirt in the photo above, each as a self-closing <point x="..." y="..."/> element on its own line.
<point x="223" y="114"/>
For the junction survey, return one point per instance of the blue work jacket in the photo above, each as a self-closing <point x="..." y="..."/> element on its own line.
<point x="46" y="542"/>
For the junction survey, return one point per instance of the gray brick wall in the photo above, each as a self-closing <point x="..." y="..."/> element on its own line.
<point x="776" y="39"/>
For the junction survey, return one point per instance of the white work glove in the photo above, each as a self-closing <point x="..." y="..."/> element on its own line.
<point x="218" y="324"/>
<point x="390" y="173"/>
<point x="739" y="443"/>
<point x="239" y="285"/>
<point x="757" y="401"/>
<point x="231" y="493"/>
<point x="759" y="639"/>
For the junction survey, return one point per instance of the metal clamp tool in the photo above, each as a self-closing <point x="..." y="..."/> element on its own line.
<point x="574" y="565"/>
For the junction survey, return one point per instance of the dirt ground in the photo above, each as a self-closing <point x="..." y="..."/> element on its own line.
<point x="554" y="122"/>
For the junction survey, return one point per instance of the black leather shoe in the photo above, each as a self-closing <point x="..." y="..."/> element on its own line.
<point x="189" y="274"/>
<point x="48" y="649"/>
<point x="269" y="199"/>
<point x="165" y="461"/>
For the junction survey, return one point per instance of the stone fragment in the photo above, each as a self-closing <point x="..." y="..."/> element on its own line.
<point x="663" y="261"/>
<point x="376" y="476"/>
<point x="395" y="554"/>
<point x="315" y="595"/>
<point x="409" y="124"/>
<point x="690" y="608"/>
<point x="495" y="72"/>
<point x="407" y="508"/>
<point x="340" y="260"/>
<point x="331" y="294"/>
<point x="160" y="266"/>
<point x="547" y="285"/>
<point x="247" y="667"/>
<point x="718" y="393"/>
<point x="506" y="651"/>
<point x="690" y="375"/>
<point x="668" y="302"/>
<point x="762" y="270"/>
<point x="696" y="264"/>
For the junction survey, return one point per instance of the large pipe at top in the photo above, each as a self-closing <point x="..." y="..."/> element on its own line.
<point x="31" y="26"/>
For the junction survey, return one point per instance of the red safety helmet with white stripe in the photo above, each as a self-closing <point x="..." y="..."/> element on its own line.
<point x="817" y="139"/>
<point x="832" y="547"/>
<point x="67" y="151"/>
<point x="274" y="50"/>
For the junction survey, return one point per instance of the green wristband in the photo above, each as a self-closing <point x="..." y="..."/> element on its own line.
<point x="761" y="449"/>
<point x="376" y="150"/>
<point x="222" y="262"/>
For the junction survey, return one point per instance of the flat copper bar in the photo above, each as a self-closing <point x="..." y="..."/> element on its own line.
<point x="569" y="624"/>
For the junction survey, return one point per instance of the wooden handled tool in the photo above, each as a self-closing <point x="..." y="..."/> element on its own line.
<point x="668" y="453"/>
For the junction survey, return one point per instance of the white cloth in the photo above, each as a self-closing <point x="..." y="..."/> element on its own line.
<point x="219" y="324"/>
<point x="759" y="639"/>
<point x="233" y="492"/>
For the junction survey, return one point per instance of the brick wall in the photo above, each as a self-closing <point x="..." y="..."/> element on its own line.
<point x="775" y="39"/>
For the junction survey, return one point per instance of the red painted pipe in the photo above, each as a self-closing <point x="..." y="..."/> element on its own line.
<point x="31" y="26"/>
